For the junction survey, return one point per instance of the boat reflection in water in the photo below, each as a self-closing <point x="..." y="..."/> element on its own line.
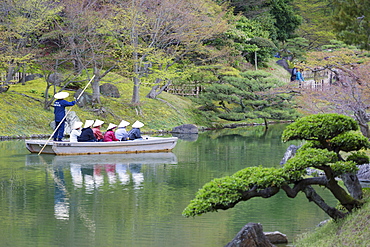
<point x="90" y="172"/>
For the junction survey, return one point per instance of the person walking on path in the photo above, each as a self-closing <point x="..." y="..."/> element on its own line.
<point x="59" y="114"/>
<point x="300" y="78"/>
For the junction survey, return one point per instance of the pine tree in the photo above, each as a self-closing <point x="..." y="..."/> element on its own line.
<point x="251" y="95"/>
<point x="351" y="20"/>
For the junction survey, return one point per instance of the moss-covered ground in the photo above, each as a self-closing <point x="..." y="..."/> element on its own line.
<point x="354" y="230"/>
<point x="22" y="109"/>
<point x="23" y="114"/>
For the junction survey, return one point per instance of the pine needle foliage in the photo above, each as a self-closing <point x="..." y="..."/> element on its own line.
<point x="251" y="95"/>
<point x="327" y="136"/>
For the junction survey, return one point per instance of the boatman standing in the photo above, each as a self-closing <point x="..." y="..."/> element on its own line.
<point x="59" y="114"/>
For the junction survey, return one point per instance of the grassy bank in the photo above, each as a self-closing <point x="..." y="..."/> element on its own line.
<point x="352" y="231"/>
<point x="23" y="113"/>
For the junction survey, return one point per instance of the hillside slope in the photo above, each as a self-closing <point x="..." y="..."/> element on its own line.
<point x="22" y="112"/>
<point x="351" y="231"/>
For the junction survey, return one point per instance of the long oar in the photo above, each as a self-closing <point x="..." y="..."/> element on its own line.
<point x="42" y="149"/>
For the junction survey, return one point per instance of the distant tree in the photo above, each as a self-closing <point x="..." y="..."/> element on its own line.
<point x="287" y="21"/>
<point x="351" y="20"/>
<point x="156" y="28"/>
<point x="328" y="137"/>
<point x="244" y="38"/>
<point x="316" y="25"/>
<point x="84" y="40"/>
<point x="250" y="9"/>
<point x="294" y="48"/>
<point x="21" y="24"/>
<point x="263" y="51"/>
<point x="250" y="95"/>
<point x="278" y="16"/>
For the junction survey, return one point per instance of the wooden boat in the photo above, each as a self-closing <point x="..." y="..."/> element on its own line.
<point x="148" y="144"/>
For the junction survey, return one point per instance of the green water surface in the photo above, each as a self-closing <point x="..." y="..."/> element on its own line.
<point x="137" y="200"/>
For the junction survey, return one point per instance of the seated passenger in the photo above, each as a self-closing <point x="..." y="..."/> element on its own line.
<point x="135" y="131"/>
<point x="87" y="134"/>
<point x="76" y="132"/>
<point x="121" y="132"/>
<point x="96" y="129"/>
<point x="109" y="136"/>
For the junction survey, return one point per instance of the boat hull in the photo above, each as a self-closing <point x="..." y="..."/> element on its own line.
<point x="151" y="144"/>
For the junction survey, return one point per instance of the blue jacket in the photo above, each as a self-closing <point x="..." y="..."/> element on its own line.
<point x="299" y="76"/>
<point x="134" y="134"/>
<point x="59" y="108"/>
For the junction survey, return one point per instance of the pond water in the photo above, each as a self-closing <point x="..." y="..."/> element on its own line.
<point x="137" y="199"/>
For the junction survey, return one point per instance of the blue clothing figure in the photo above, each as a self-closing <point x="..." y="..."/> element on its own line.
<point x="300" y="78"/>
<point x="87" y="134"/>
<point x="134" y="134"/>
<point x="135" y="131"/>
<point x="293" y="76"/>
<point x="59" y="114"/>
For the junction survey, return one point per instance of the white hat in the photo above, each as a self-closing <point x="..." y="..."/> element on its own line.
<point x="98" y="123"/>
<point x="111" y="126"/>
<point x="137" y="124"/>
<point x="61" y="95"/>
<point x="123" y="123"/>
<point x="88" y="123"/>
<point x="77" y="125"/>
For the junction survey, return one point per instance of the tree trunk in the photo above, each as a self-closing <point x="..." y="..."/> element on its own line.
<point x="339" y="193"/>
<point x="266" y="123"/>
<point x="23" y="80"/>
<point x="362" y="119"/>
<point x="313" y="196"/>
<point x="47" y="102"/>
<point x="9" y="74"/>
<point x="135" y="43"/>
<point x="353" y="185"/>
<point x="154" y="93"/>
<point x="135" y="94"/>
<point x="95" y="87"/>
<point x="77" y="64"/>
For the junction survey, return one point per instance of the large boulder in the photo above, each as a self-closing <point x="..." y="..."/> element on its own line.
<point x="70" y="120"/>
<point x="276" y="237"/>
<point x="289" y="153"/>
<point x="109" y="90"/>
<point x="55" y="78"/>
<point x="185" y="129"/>
<point x="251" y="235"/>
<point x="363" y="173"/>
<point x="283" y="63"/>
<point x="85" y="98"/>
<point x="30" y="77"/>
<point x="4" y="88"/>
